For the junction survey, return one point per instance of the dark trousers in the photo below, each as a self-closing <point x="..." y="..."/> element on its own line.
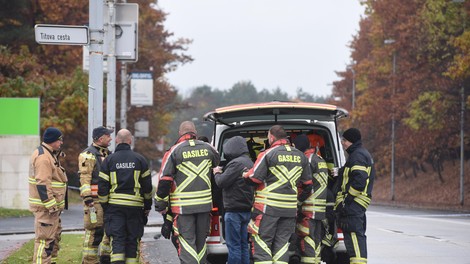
<point x="125" y="226"/>
<point x="191" y="231"/>
<point x="271" y="243"/>
<point x="354" y="233"/>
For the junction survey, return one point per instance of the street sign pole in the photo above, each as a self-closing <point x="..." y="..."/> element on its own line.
<point x="95" y="79"/>
<point x="111" y="78"/>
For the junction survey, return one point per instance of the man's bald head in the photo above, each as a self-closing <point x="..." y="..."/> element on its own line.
<point x="124" y="136"/>
<point x="187" y="127"/>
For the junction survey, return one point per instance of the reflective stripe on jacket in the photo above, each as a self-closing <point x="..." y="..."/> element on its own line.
<point x="188" y="165"/>
<point x="315" y="205"/>
<point x="89" y="164"/>
<point x="125" y="179"/>
<point x="47" y="180"/>
<point x="358" y="177"/>
<point x="278" y="172"/>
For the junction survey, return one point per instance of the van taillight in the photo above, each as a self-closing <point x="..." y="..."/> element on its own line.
<point x="214" y="236"/>
<point x="340" y="233"/>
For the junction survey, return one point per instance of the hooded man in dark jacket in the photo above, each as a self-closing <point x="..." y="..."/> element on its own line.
<point x="237" y="197"/>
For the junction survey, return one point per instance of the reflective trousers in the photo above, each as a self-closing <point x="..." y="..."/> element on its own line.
<point x="311" y="245"/>
<point x="191" y="231"/>
<point x="354" y="231"/>
<point x="270" y="242"/>
<point x="96" y="243"/>
<point x="47" y="229"/>
<point x="125" y="226"/>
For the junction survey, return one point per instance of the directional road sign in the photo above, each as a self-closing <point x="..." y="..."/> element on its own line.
<point x="61" y="34"/>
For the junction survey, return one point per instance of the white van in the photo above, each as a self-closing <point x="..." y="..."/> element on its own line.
<point x="252" y="121"/>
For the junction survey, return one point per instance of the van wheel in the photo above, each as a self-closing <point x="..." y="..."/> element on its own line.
<point x="217" y="258"/>
<point x="342" y="258"/>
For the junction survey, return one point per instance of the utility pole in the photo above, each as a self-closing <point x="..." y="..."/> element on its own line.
<point x="392" y="162"/>
<point x="95" y="77"/>
<point x="124" y="80"/>
<point x="111" y="78"/>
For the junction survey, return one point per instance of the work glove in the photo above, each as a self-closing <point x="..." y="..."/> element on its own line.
<point x="167" y="226"/>
<point x="145" y="218"/>
<point x="87" y="200"/>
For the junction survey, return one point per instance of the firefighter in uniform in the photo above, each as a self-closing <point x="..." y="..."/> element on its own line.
<point x="47" y="188"/>
<point x="311" y="220"/>
<point x="355" y="195"/>
<point x="125" y="192"/>
<point x="89" y="163"/>
<point x="184" y="180"/>
<point x="277" y="173"/>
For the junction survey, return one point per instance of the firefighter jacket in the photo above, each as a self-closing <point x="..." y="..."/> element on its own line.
<point x="125" y="179"/>
<point x="47" y="180"/>
<point x="185" y="176"/>
<point x="237" y="195"/>
<point x="315" y="205"/>
<point x="357" y="178"/>
<point x="89" y="165"/>
<point x="277" y="173"/>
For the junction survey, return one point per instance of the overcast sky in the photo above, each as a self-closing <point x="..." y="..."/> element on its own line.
<point x="272" y="43"/>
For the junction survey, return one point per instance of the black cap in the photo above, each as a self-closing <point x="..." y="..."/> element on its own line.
<point x="301" y="142"/>
<point x="51" y="135"/>
<point x="352" y="135"/>
<point x="100" y="131"/>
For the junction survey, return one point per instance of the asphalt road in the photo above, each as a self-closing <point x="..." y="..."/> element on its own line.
<point x="395" y="235"/>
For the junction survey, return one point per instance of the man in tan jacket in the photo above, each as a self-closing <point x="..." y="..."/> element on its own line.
<point x="47" y="186"/>
<point x="96" y="248"/>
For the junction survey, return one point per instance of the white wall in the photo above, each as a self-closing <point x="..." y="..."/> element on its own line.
<point x="14" y="169"/>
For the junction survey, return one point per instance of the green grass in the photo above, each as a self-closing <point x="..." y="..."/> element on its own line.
<point x="6" y="213"/>
<point x="70" y="251"/>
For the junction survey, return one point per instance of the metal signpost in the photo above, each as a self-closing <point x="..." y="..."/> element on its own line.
<point x="112" y="35"/>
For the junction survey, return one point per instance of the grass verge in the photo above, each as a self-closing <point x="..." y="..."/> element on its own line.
<point x="6" y="213"/>
<point x="70" y="251"/>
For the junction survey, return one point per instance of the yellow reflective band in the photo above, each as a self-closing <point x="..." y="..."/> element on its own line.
<point x="193" y="194"/>
<point x="88" y="155"/>
<point x="113" y="181"/>
<point x="303" y="228"/>
<point x="50" y="203"/>
<point x="308" y="260"/>
<point x="354" y="192"/>
<point x="41" y="247"/>
<point x="136" y="182"/>
<point x="117" y="257"/>
<point x="146" y="173"/>
<point x="262" y="244"/>
<point x="287" y="205"/>
<point x="357" y="260"/>
<point x="55" y="184"/>
<point x="85" y="188"/>
<point x="103" y="199"/>
<point x="104" y="176"/>
<point x="278" y="196"/>
<point x="199" y="201"/>
<point x="358" y="167"/>
<point x="132" y="260"/>
<point x="281" y="253"/>
<point x="188" y="248"/>
<point x="288" y="148"/>
<point x="322" y="165"/>
<point x="357" y="250"/>
<point x="158" y="199"/>
<point x="147" y="196"/>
